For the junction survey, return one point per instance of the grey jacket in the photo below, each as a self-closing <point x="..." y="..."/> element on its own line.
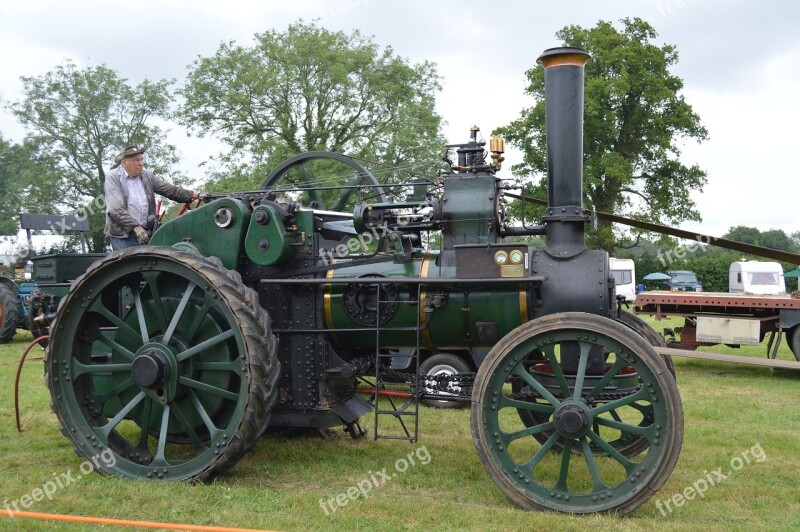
<point x="119" y="222"/>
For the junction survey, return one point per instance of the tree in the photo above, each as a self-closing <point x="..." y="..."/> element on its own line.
<point x="744" y="234"/>
<point x="81" y="118"/>
<point x="312" y="89"/>
<point x="635" y="119"/>
<point x="27" y="184"/>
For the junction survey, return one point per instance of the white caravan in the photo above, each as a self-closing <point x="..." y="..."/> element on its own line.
<point x="754" y="277"/>
<point x="624" y="274"/>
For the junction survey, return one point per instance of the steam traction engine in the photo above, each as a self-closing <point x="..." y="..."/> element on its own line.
<point x="261" y="310"/>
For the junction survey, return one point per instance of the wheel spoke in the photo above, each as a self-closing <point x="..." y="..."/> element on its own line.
<point x="531" y="465"/>
<point x="151" y="278"/>
<point x="508" y="437"/>
<point x="79" y="369"/>
<point x="521" y="372"/>
<point x="147" y="411"/>
<point x="98" y="308"/>
<point x="137" y="299"/>
<point x="106" y="429"/>
<point x="188" y="336"/>
<point x="178" y="313"/>
<point x="617" y="403"/>
<point x="159" y="460"/>
<point x="566" y="454"/>
<point x="507" y="402"/>
<point x="550" y="353"/>
<point x="115" y="391"/>
<point x="605" y="446"/>
<point x="203" y="387"/>
<point x="341" y="201"/>
<point x="198" y="406"/>
<point x="305" y="177"/>
<point x="646" y="431"/>
<point x="211" y="342"/>
<point x="597" y="482"/>
<point x="233" y="366"/>
<point x="117" y="348"/>
<point x="610" y="374"/>
<point x="187" y="427"/>
<point x="581" y="374"/>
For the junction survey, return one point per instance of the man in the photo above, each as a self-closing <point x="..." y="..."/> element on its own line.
<point x="130" y="198"/>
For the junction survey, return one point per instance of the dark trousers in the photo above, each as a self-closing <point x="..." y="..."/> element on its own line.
<point x="122" y="243"/>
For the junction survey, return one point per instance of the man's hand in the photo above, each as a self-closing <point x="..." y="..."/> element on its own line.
<point x="141" y="234"/>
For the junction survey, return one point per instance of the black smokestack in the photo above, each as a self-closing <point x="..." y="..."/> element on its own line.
<point x="563" y="86"/>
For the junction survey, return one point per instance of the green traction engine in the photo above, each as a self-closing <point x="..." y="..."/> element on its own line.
<point x="264" y="310"/>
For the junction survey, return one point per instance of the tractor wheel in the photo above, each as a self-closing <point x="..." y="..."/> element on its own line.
<point x="582" y="411"/>
<point x="9" y="314"/>
<point x="444" y="364"/>
<point x="36" y="307"/>
<point x="793" y="339"/>
<point x="162" y="363"/>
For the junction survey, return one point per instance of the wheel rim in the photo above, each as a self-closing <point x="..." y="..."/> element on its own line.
<point x="149" y="361"/>
<point x="587" y="481"/>
<point x="441" y="369"/>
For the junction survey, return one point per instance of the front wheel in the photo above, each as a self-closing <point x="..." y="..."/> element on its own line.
<point x="634" y="395"/>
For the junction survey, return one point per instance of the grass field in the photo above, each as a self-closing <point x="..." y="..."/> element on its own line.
<point x="730" y="411"/>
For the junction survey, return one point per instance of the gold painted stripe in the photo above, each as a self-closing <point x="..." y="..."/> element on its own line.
<point x="565" y="59"/>
<point x="523" y="304"/>
<point x="326" y="301"/>
<point x="423" y="317"/>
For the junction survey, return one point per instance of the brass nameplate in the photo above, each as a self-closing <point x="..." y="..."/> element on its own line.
<point x="512" y="270"/>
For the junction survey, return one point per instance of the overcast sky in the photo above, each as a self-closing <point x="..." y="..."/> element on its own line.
<point x="740" y="62"/>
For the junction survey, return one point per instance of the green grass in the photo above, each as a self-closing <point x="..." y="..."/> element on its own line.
<point x="728" y="410"/>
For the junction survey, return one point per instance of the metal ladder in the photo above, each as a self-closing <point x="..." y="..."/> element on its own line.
<point x="389" y="406"/>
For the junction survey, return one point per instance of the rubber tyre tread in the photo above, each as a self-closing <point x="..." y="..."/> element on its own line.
<point x="10" y="316"/>
<point x="457" y="363"/>
<point x="263" y="367"/>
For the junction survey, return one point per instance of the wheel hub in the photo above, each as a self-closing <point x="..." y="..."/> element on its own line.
<point x="150" y="368"/>
<point x="572" y="419"/>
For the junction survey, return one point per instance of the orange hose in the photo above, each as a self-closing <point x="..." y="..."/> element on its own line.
<point x="19" y="371"/>
<point x="123" y="522"/>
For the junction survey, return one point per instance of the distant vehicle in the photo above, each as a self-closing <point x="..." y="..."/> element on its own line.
<point x="682" y="281"/>
<point x="754" y="277"/>
<point x="624" y="273"/>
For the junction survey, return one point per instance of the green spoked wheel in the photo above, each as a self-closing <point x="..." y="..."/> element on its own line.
<point x="591" y="413"/>
<point x="164" y="359"/>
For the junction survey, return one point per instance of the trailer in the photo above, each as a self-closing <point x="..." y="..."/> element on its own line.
<point x="714" y="318"/>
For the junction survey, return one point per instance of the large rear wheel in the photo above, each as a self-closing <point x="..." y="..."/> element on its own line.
<point x="162" y="363"/>
<point x="591" y="413"/>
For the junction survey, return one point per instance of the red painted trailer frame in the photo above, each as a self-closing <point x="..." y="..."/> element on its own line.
<point x="773" y="315"/>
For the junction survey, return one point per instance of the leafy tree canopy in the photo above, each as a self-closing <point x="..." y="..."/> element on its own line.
<point x="635" y="121"/>
<point x="80" y="119"/>
<point x="310" y="89"/>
